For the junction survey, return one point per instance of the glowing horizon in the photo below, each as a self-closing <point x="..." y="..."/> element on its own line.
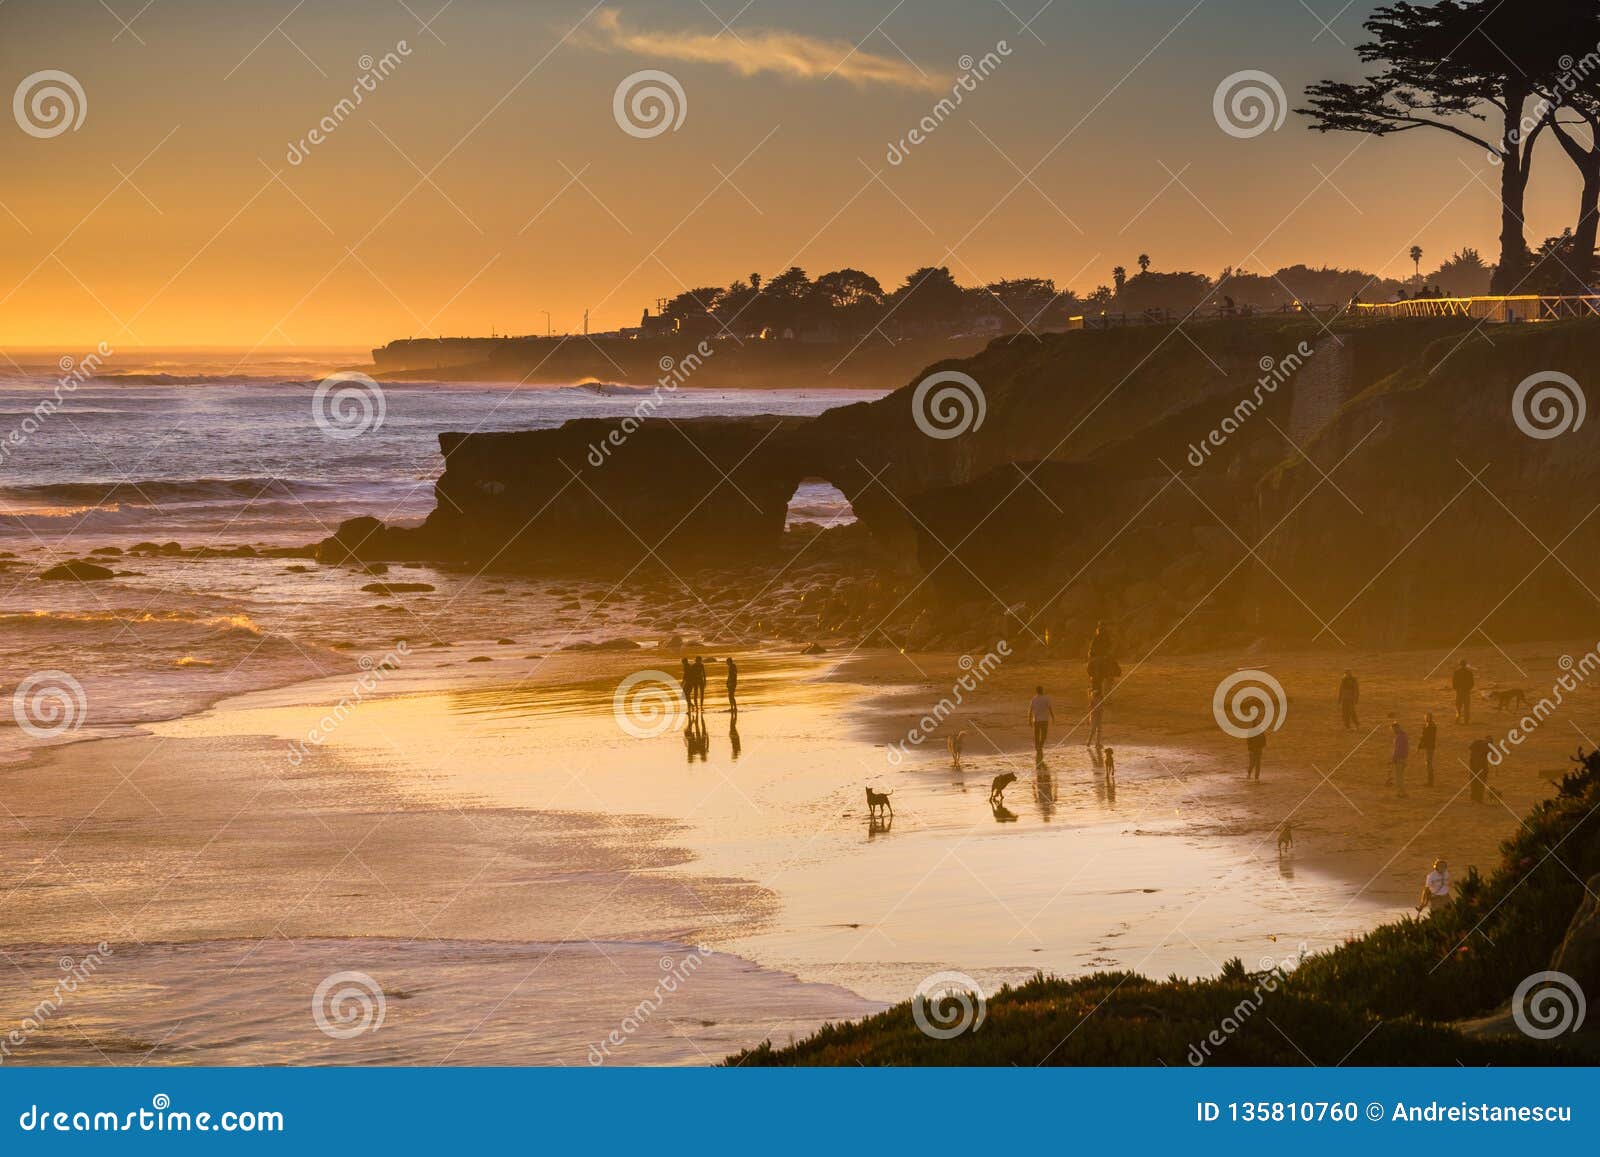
<point x="484" y="177"/>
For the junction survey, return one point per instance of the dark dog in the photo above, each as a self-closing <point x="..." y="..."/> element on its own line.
<point x="1285" y="837"/>
<point x="1110" y="758"/>
<point x="877" y="800"/>
<point x="955" y="743"/>
<point x="1512" y="697"/>
<point x="997" y="789"/>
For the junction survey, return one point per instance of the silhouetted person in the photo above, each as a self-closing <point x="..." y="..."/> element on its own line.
<point x="1463" y="680"/>
<point x="700" y="683"/>
<point x="1349" y="696"/>
<point x="1427" y="741"/>
<point x="1102" y="658"/>
<point x="1478" y="766"/>
<point x="1040" y="715"/>
<point x="1254" y="745"/>
<point x="688" y="683"/>
<point x="1097" y="712"/>
<point x="733" y="685"/>
<point x="1400" y="753"/>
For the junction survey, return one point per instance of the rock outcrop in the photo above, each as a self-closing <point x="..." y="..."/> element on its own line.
<point x="1234" y="480"/>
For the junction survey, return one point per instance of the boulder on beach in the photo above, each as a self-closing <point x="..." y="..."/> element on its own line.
<point x="610" y="645"/>
<point x="813" y="649"/>
<point x="84" y="572"/>
<point x="108" y="550"/>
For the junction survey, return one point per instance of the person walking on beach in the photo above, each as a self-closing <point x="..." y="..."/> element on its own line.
<point x="1254" y="745"/>
<point x="1436" y="888"/>
<point x="688" y="683"/>
<point x="1478" y="766"/>
<point x="1463" y="680"/>
<point x="1428" y="740"/>
<point x="1040" y="715"/>
<point x="1402" y="752"/>
<point x="1102" y="658"/>
<point x="1349" y="695"/>
<point x="1097" y="712"/>
<point x="733" y="685"/>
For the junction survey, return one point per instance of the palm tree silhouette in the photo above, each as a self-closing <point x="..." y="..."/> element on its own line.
<point x="1144" y="263"/>
<point x="1416" y="260"/>
<point x="1119" y="277"/>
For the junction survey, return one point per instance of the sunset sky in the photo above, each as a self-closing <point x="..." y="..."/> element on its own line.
<point x="486" y="180"/>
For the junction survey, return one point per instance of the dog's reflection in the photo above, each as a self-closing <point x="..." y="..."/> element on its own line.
<point x="878" y="825"/>
<point x="1002" y="814"/>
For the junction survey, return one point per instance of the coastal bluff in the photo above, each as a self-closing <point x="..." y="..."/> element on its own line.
<point x="1105" y="475"/>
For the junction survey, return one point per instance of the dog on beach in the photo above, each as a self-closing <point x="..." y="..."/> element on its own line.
<point x="1110" y="757"/>
<point x="997" y="789"/>
<point x="1510" y="697"/>
<point x="1285" y="838"/>
<point x="878" y="800"/>
<point x="955" y="743"/>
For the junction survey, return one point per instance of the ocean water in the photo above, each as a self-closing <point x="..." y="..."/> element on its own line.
<point x="182" y="450"/>
<point x="222" y="460"/>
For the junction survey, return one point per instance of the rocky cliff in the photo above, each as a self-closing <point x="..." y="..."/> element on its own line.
<point x="1234" y="479"/>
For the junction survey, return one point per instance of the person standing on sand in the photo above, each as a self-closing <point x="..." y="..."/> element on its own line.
<point x="1463" y="681"/>
<point x="733" y="685"/>
<point x="1402" y="752"/>
<point x="700" y="683"/>
<point x="1428" y="741"/>
<point x="688" y="684"/>
<point x="1349" y="695"/>
<point x="1254" y="746"/>
<point x="1097" y="713"/>
<point x="1478" y="766"/>
<point x="1040" y="715"/>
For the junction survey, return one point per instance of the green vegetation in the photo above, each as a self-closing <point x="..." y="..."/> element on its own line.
<point x="1385" y="998"/>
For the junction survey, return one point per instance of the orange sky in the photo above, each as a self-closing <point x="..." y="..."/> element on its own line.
<point x="486" y="179"/>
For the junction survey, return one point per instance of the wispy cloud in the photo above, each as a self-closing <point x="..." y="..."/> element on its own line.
<point x="757" y="50"/>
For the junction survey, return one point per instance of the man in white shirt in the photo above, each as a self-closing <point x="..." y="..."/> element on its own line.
<point x="1436" y="889"/>
<point x="1041" y="715"/>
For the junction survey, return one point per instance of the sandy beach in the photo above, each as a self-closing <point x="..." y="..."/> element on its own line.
<point x="485" y="841"/>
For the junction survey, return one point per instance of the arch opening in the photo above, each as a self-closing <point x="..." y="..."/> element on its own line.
<point x="818" y="504"/>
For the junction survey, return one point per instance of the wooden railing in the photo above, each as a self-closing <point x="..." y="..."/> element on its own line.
<point x="1530" y="307"/>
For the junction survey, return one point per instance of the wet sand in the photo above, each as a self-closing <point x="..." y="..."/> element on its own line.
<point x="491" y="820"/>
